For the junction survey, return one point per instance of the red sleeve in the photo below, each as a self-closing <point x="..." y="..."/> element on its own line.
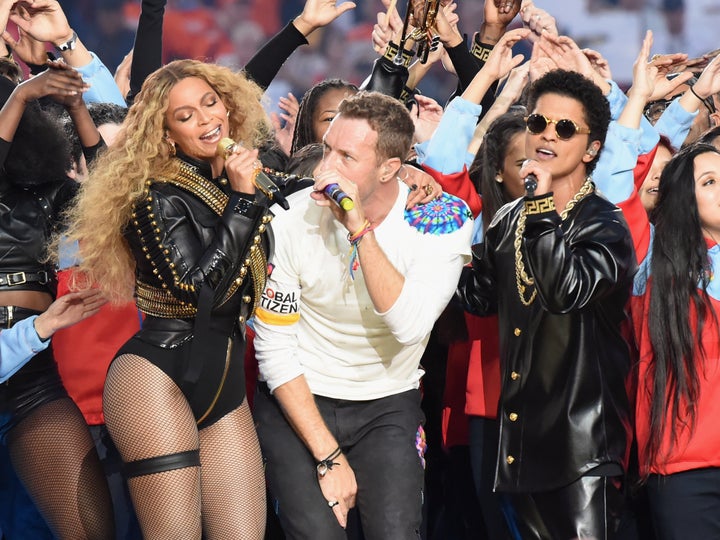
<point x="642" y="168"/>
<point x="459" y="185"/>
<point x="638" y="223"/>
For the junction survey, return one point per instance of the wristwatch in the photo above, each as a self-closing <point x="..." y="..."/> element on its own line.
<point x="69" y="45"/>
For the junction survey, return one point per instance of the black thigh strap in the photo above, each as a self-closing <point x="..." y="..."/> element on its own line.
<point x="159" y="464"/>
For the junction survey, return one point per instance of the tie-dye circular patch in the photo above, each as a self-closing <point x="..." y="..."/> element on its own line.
<point x="443" y="215"/>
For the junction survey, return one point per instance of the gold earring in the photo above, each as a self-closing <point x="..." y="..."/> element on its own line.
<point x="171" y="148"/>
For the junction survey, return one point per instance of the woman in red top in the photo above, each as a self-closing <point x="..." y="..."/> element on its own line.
<point x="678" y="335"/>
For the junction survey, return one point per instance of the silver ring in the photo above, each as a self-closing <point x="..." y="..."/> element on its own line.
<point x="537" y="16"/>
<point x="333" y="503"/>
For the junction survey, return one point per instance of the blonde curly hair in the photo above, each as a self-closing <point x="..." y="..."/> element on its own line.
<point x="117" y="179"/>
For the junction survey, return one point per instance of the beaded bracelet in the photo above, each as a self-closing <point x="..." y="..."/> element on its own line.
<point x="354" y="240"/>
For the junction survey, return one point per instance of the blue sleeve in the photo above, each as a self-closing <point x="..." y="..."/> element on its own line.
<point x="649" y="137"/>
<point x="18" y="345"/>
<point x="446" y="151"/>
<point x="102" y="84"/>
<point x="675" y="123"/>
<point x="616" y="99"/>
<point x="613" y="174"/>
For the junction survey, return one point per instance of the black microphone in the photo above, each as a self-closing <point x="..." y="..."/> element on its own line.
<point x="531" y="183"/>
<point x="262" y="181"/>
<point x="339" y="197"/>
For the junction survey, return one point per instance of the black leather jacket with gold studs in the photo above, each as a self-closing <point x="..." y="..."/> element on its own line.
<point x="190" y="232"/>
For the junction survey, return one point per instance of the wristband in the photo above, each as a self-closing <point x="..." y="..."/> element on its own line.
<point x="481" y="51"/>
<point x="540" y="206"/>
<point x="69" y="45"/>
<point x="696" y="94"/>
<point x="392" y="52"/>
<point x="325" y="465"/>
<point x="354" y="239"/>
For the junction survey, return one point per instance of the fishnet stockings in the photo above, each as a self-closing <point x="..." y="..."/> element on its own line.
<point x="233" y="480"/>
<point x="148" y="416"/>
<point x="55" y="458"/>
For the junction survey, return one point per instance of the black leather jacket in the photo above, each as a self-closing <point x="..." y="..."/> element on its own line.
<point x="563" y="408"/>
<point x="192" y="233"/>
<point x="28" y="216"/>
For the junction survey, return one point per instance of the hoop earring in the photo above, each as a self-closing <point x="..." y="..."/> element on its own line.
<point x="171" y="148"/>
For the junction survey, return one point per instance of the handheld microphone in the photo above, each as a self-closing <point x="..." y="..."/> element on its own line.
<point x="262" y="181"/>
<point x="531" y="183"/>
<point x="339" y="197"/>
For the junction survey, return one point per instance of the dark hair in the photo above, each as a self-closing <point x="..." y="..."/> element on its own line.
<point x="101" y="114"/>
<point x="679" y="263"/>
<point x="107" y="113"/>
<point x="489" y="162"/>
<point x="304" y="161"/>
<point x="303" y="134"/>
<point x="39" y="152"/>
<point x="710" y="135"/>
<point x="273" y="156"/>
<point x="387" y="117"/>
<point x="10" y="70"/>
<point x="573" y="85"/>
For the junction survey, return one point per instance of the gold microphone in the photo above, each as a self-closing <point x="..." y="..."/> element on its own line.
<point x="262" y="181"/>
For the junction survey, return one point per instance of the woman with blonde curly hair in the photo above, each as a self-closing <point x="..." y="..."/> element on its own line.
<point x="168" y="215"/>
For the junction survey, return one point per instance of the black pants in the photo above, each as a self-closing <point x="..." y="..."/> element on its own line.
<point x="686" y="505"/>
<point x="378" y="438"/>
<point x="588" y="509"/>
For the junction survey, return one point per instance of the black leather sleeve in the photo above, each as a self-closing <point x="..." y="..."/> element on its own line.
<point x="266" y="63"/>
<point x="147" y="56"/>
<point x="575" y="270"/>
<point x="476" y="291"/>
<point x="387" y="77"/>
<point x="184" y="244"/>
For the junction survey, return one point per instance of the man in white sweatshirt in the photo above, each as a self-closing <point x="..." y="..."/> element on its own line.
<point x="345" y="317"/>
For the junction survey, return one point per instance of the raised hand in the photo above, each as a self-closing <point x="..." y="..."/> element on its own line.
<point x="122" y="74"/>
<point x="538" y="20"/>
<point x="644" y="72"/>
<point x="598" y="62"/>
<point x="319" y="13"/>
<point x="284" y="133"/>
<point x="540" y="63"/>
<point x="388" y="28"/>
<point x="446" y="23"/>
<point x="43" y="20"/>
<point x="567" y="55"/>
<point x="501" y="59"/>
<point x="26" y="48"/>
<point x="426" y="114"/>
<point x="709" y="81"/>
<point x="59" y="81"/>
<point x="501" y="12"/>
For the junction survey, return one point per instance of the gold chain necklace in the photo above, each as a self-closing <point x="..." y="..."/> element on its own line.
<point x="521" y="278"/>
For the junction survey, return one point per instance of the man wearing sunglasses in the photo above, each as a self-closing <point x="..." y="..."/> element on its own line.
<point x="557" y="266"/>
